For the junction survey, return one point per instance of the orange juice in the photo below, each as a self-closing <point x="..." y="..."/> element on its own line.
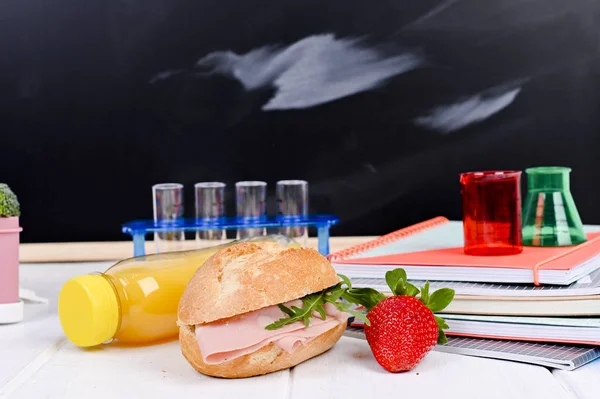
<point x="135" y="301"/>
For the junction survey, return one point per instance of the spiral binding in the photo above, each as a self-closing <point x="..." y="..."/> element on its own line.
<point x="387" y="238"/>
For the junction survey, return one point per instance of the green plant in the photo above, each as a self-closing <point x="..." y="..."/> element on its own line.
<point x="9" y="204"/>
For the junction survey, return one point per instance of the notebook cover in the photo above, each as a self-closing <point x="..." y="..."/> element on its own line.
<point x="565" y="357"/>
<point x="552" y="258"/>
<point x="387" y="238"/>
<point x="525" y="339"/>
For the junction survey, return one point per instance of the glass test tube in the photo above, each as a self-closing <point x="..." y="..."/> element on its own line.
<point x="210" y="205"/>
<point x="168" y="207"/>
<point x="250" y="199"/>
<point x="491" y="206"/>
<point x="292" y="201"/>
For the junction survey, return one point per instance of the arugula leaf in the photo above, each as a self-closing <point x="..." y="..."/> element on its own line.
<point x="286" y="310"/>
<point x="345" y="280"/>
<point x="345" y="307"/>
<point x="312" y="302"/>
<point x="336" y="291"/>
<point x="367" y="297"/>
<point x="440" y="299"/>
<point x="321" y="311"/>
<point x="343" y="297"/>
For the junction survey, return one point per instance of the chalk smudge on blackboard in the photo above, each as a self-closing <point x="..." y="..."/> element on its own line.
<point x="165" y="75"/>
<point x="431" y="13"/>
<point x="312" y="71"/>
<point x="468" y="110"/>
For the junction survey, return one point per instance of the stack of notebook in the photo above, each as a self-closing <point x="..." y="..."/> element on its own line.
<point x="496" y="298"/>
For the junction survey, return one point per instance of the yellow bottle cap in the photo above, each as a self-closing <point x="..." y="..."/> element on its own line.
<point x="88" y="309"/>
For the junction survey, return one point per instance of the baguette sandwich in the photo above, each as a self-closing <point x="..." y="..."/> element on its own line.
<point x="257" y="308"/>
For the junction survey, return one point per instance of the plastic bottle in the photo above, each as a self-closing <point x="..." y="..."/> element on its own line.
<point x="135" y="301"/>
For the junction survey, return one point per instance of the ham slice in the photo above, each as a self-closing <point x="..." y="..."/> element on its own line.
<point x="222" y="341"/>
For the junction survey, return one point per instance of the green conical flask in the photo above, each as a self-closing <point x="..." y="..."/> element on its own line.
<point x="550" y="217"/>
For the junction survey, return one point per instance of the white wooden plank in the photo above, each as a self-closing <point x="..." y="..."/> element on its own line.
<point x="349" y="370"/>
<point x="583" y="382"/>
<point x="49" y="370"/>
<point x="22" y="343"/>
<point x="156" y="371"/>
<point x="39" y="333"/>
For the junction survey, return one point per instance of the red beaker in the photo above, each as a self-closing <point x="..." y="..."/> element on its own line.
<point x="491" y="207"/>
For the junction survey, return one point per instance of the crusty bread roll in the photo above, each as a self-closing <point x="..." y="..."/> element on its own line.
<point x="244" y="278"/>
<point x="250" y="276"/>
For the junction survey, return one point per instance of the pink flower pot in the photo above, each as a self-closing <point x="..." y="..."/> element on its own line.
<point x="11" y="308"/>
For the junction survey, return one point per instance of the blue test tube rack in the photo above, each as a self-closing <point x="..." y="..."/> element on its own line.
<point x="138" y="229"/>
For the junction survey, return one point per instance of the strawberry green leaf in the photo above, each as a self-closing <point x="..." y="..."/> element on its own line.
<point x="396" y="280"/>
<point x="441" y="323"/>
<point x="425" y="294"/>
<point x="440" y="299"/>
<point x="442" y="339"/>
<point x="411" y="290"/>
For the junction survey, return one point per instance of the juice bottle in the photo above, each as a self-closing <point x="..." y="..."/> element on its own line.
<point x="135" y="301"/>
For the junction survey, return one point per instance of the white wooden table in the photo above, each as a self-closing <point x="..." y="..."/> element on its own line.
<point x="36" y="361"/>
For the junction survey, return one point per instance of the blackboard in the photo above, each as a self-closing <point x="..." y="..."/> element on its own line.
<point x="379" y="105"/>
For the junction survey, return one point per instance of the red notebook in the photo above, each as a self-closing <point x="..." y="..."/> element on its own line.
<point x="433" y="250"/>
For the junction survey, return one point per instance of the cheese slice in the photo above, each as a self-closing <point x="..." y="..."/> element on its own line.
<point x="222" y="341"/>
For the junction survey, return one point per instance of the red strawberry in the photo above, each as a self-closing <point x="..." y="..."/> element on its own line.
<point x="402" y="329"/>
<point x="402" y="332"/>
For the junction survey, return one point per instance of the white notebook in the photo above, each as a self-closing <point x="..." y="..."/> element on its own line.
<point x="586" y="286"/>
<point x="582" y="331"/>
<point x="526" y="306"/>
<point x="539" y="329"/>
<point x="493" y="299"/>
